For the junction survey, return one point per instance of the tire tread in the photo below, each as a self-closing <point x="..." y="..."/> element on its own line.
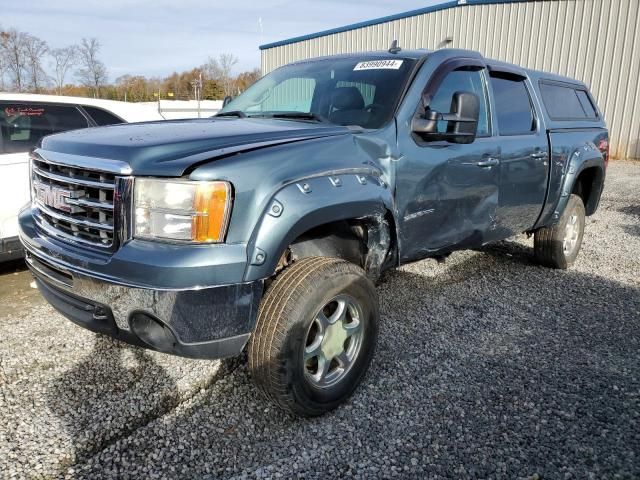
<point x="547" y="241"/>
<point x="275" y="317"/>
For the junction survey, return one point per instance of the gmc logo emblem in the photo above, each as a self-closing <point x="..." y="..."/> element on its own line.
<point x="53" y="196"/>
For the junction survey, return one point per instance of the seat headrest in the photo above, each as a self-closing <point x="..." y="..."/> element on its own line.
<point x="347" y="98"/>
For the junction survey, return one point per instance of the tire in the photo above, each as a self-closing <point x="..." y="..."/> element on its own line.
<point x="290" y="327"/>
<point x="558" y="246"/>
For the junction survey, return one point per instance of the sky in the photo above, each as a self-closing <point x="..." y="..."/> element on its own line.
<point x="155" y="38"/>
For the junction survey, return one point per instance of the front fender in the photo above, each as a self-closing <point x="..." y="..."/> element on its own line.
<point x="310" y="202"/>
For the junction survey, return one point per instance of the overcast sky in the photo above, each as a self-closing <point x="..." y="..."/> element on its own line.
<point x="158" y="37"/>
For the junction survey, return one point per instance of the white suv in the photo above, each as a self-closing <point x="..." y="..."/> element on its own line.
<point x="24" y="120"/>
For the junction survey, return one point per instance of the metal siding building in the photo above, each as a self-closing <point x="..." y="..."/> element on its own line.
<point x="596" y="41"/>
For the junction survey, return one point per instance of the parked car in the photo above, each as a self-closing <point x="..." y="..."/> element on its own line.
<point x="24" y="120"/>
<point x="268" y="224"/>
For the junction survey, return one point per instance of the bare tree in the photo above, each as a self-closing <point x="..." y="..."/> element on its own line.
<point x="211" y="69"/>
<point x="63" y="60"/>
<point x="93" y="73"/>
<point x="13" y="52"/>
<point x="3" y="67"/>
<point x="35" y="50"/>
<point x="220" y="69"/>
<point x="3" y="64"/>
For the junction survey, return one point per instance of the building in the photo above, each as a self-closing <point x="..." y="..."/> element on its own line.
<point x="596" y="41"/>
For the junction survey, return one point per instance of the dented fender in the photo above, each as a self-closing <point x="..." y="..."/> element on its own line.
<point x="567" y="163"/>
<point x="310" y="202"/>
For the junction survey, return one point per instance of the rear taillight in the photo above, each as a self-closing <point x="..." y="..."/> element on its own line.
<point x="603" y="146"/>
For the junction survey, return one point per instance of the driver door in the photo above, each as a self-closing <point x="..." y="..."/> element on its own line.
<point x="447" y="193"/>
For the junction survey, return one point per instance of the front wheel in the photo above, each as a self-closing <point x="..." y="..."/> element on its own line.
<point x="315" y="335"/>
<point x="559" y="245"/>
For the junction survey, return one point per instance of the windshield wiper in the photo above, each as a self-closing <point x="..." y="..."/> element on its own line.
<point x="296" y="116"/>
<point x="232" y="113"/>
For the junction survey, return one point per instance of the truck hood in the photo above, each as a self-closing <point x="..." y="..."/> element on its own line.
<point x="169" y="148"/>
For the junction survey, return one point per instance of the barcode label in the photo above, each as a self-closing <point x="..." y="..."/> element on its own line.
<point x="379" y="64"/>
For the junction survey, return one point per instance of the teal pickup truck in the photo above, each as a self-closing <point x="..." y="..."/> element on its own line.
<point x="266" y="226"/>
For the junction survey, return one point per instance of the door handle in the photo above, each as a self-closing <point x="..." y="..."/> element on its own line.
<point x="539" y="155"/>
<point x="488" y="162"/>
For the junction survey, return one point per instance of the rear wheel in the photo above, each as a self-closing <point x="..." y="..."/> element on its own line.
<point x="559" y="245"/>
<point x="315" y="335"/>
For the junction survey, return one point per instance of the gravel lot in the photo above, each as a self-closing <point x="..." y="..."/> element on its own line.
<point x="488" y="366"/>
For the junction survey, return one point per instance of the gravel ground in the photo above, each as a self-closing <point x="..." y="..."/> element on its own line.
<point x="488" y="366"/>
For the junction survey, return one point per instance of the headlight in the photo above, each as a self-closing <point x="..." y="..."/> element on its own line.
<point x="181" y="210"/>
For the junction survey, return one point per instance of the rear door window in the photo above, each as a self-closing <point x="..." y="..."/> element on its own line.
<point x="23" y="124"/>
<point x="564" y="102"/>
<point x="513" y="105"/>
<point x="102" y="117"/>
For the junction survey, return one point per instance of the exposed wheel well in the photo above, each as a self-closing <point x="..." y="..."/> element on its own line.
<point x="367" y="242"/>
<point x="588" y="187"/>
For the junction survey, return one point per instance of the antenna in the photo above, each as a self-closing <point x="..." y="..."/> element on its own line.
<point x="394" y="47"/>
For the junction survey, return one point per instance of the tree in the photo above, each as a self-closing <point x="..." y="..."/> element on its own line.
<point x="13" y="52"/>
<point x="22" y="67"/>
<point x="220" y="70"/>
<point x="134" y="88"/>
<point x="246" y="79"/>
<point x="3" y="69"/>
<point x="212" y="90"/>
<point x="35" y="50"/>
<point x="3" y="65"/>
<point x="63" y="60"/>
<point x="93" y="73"/>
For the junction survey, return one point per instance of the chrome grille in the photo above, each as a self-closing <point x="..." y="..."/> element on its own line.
<point x="74" y="203"/>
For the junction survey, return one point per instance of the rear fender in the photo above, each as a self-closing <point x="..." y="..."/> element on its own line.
<point x="311" y="202"/>
<point x="586" y="156"/>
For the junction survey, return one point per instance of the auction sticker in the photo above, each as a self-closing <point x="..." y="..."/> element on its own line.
<point x="24" y="111"/>
<point x="379" y="65"/>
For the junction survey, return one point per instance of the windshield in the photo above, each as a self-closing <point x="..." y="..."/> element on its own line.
<point x="342" y="91"/>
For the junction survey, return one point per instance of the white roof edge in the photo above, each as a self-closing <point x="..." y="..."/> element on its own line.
<point x="131" y="112"/>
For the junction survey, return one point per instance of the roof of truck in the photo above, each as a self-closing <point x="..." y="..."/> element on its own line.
<point x="417" y="54"/>
<point x="410" y="54"/>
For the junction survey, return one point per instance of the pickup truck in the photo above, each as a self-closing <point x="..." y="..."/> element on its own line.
<point x="267" y="226"/>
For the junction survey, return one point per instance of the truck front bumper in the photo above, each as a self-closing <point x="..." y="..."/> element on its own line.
<point x="210" y="321"/>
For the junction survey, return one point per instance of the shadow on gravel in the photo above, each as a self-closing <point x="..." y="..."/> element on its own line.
<point x="113" y="391"/>
<point x="519" y="369"/>
<point x="12" y="266"/>
<point x="634" y="212"/>
<point x="495" y="368"/>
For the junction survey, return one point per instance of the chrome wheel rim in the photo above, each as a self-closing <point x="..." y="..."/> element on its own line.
<point x="333" y="341"/>
<point x="571" y="234"/>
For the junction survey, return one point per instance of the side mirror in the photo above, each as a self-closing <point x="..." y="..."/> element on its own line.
<point x="226" y="100"/>
<point x="462" y="122"/>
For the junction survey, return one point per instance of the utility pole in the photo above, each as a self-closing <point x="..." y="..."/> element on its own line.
<point x="199" y="92"/>
<point x="197" y="89"/>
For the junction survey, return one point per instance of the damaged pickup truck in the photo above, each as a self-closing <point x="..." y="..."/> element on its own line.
<point x="267" y="225"/>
